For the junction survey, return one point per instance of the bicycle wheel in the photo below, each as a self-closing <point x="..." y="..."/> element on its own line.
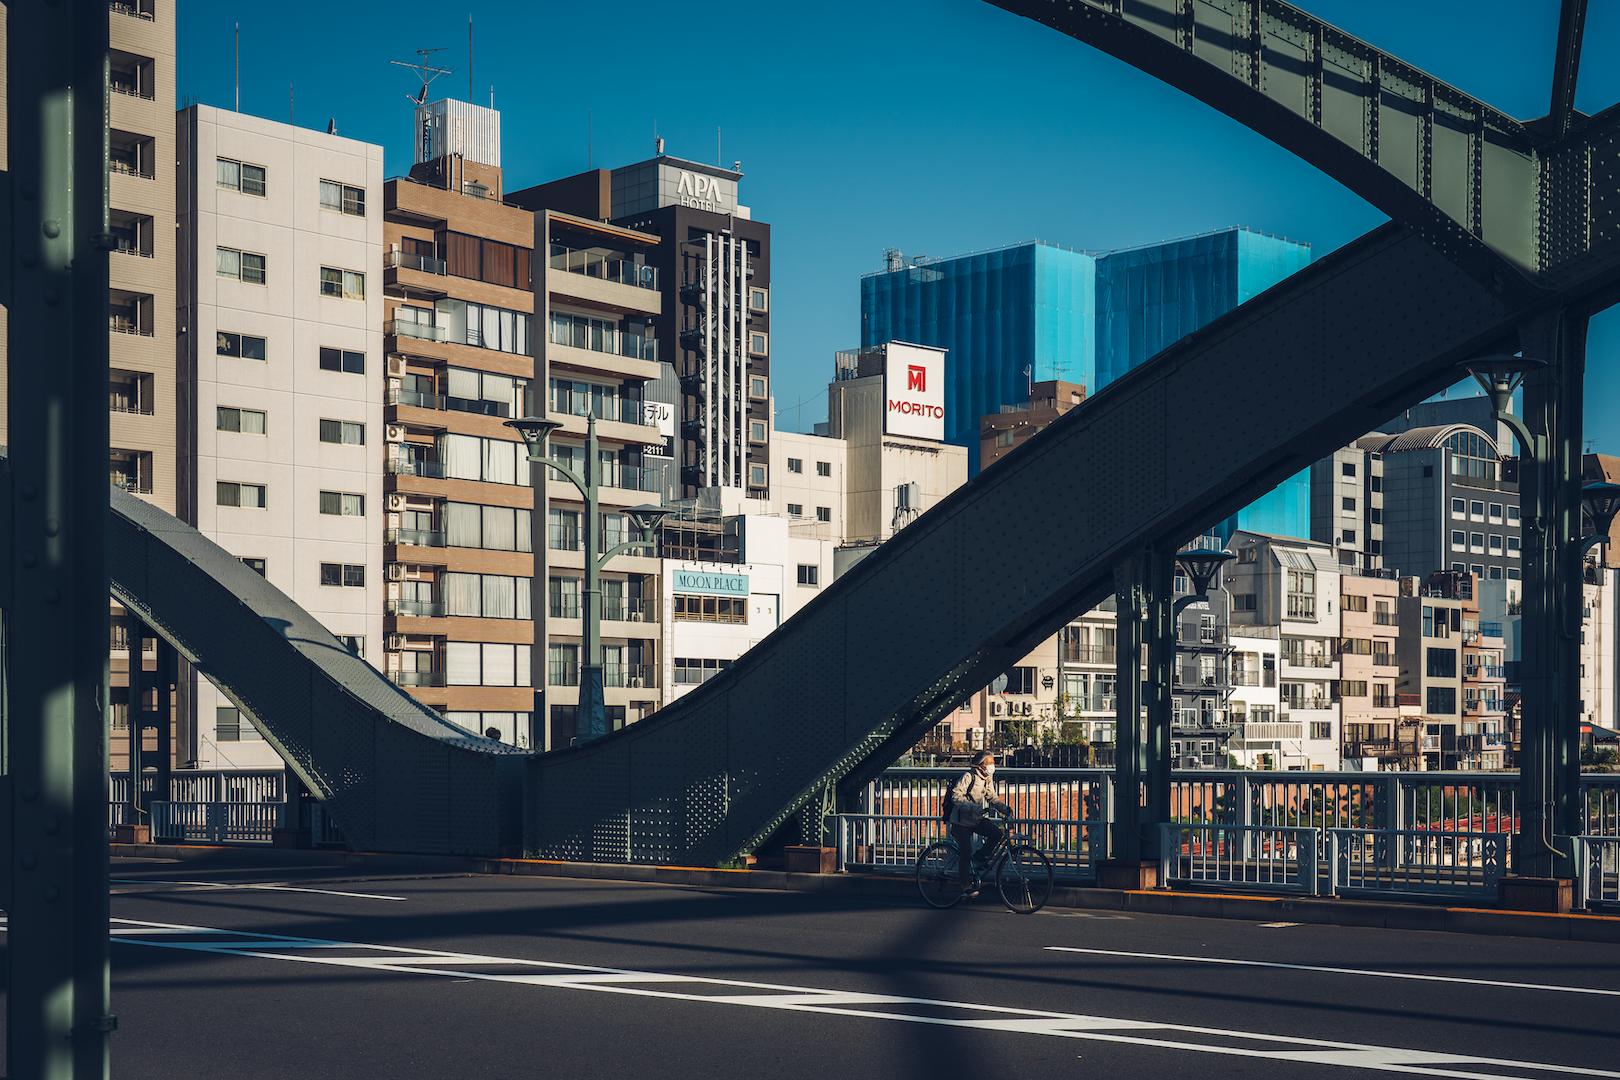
<point x="1024" y="879"/>
<point x="936" y="874"/>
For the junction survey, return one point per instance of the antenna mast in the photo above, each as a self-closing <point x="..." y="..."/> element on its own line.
<point x="424" y="71"/>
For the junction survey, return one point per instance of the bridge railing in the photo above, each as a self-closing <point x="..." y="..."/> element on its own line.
<point x="216" y="822"/>
<point x="1600" y="873"/>
<point x="889" y="843"/>
<point x="1416" y="862"/>
<point x="1268" y="858"/>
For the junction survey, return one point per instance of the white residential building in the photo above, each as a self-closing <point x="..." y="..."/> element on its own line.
<point x="281" y="375"/>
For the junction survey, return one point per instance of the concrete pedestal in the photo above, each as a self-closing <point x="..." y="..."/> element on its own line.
<point x="1536" y="893"/>
<point x="1132" y="876"/>
<point x="132" y="834"/>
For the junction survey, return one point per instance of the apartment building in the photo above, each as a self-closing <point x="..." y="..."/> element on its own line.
<point x="1012" y="426"/>
<point x="1451" y="669"/>
<point x="1201" y="680"/>
<point x="1258" y="739"/>
<point x="280" y="377"/>
<point x="1294" y="586"/>
<point x="458" y="333"/>
<point x="1369" y="632"/>
<point x="1347" y="506"/>
<point x="810" y="476"/>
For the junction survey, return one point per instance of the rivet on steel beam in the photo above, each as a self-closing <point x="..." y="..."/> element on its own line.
<point x="52" y="527"/>
<point x="51" y="228"/>
<point x="51" y="893"/>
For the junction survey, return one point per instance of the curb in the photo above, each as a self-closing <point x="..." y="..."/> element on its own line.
<point x="1576" y="926"/>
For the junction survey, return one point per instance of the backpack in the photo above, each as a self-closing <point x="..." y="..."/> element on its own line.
<point x="946" y="806"/>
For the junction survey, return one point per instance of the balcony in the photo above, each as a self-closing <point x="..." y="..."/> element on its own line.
<point x="135" y="9"/>
<point x="563" y="673"/>
<point x="1307" y="702"/>
<point x="1386" y="618"/>
<point x="416" y="678"/>
<point x="618" y="410"/>
<point x="628" y="609"/>
<point x="1484" y="671"/>
<point x="419" y="331"/>
<point x="406" y="260"/>
<point x="1193" y="678"/>
<point x="415" y="399"/>
<point x="1490" y="629"/>
<point x="629" y="676"/>
<point x="1090" y="703"/>
<point x="633" y="478"/>
<point x="413" y="537"/>
<point x="432" y="470"/>
<point x="605" y="264"/>
<point x="1315" y="660"/>
<point x="416" y="609"/>
<point x="618" y="343"/>
<point x="1088" y="654"/>
<point x="1200" y="635"/>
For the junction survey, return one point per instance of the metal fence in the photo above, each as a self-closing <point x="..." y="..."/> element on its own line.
<point x="1416" y="862"/>
<point x="1600" y="881"/>
<point x="216" y="822"/>
<point x="1266" y="857"/>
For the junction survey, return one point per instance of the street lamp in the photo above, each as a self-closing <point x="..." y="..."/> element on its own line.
<point x="1201" y="565"/>
<point x="1601" y="502"/>
<point x="1500" y="376"/>
<point x="591" y="721"/>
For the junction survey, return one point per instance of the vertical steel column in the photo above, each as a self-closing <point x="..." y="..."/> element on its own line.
<point x="1549" y="763"/>
<point x="55" y="284"/>
<point x="1161" y="662"/>
<point x="1130" y="744"/>
<point x="591" y="720"/>
<point x="164" y="678"/>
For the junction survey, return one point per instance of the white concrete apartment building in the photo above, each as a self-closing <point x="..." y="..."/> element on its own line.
<point x="808" y="478"/>
<point x="281" y="375"/>
<point x="1256" y="702"/>
<point x="1294" y="586"/>
<point x="718" y="611"/>
<point x="1600" y="611"/>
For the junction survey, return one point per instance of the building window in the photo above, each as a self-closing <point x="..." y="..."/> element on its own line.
<point x="1513" y="547"/>
<point x="256" y="565"/>
<point x="246" y="421"/>
<point x="1513" y="515"/>
<point x="795" y="509"/>
<point x="343" y="284"/>
<point x="1347" y="535"/>
<point x="1459" y="568"/>
<point x="1495" y="544"/>
<point x="1477" y="570"/>
<point x="1476" y="510"/>
<point x="343" y="504"/>
<point x="472" y="663"/>
<point x="1459" y="540"/>
<point x="231" y="726"/>
<point x="795" y="465"/>
<point x="1321" y="729"/>
<point x="239" y="176"/>
<point x="343" y="360"/>
<point x="758" y="300"/>
<point x="756" y="387"/>
<point x="1352" y="602"/>
<point x="1441" y="663"/>
<point x="756" y="475"/>
<point x="1244" y="602"/>
<point x="1476" y="542"/>
<point x="343" y="198"/>
<point x="342" y="431"/>
<point x="1020" y="680"/>
<point x="1496" y="513"/>
<point x="809" y="574"/>
<point x="243" y="266"/>
<point x="1004" y="438"/>
<point x="1442" y="701"/>
<point x="1347" y="469"/>
<point x="1347" y="505"/>
<point x="242" y="345"/>
<point x="355" y="643"/>
<point x="248" y="495"/>
<point x="756" y="431"/>
<point x="1514" y="574"/>
<point x="1496" y="573"/>
<point x="689" y="671"/>
<point x="823" y="468"/>
<point x="756" y="344"/>
<point x="722" y="609"/>
<point x="1301" y="595"/>
<point x="349" y="575"/>
<point x="823" y="513"/>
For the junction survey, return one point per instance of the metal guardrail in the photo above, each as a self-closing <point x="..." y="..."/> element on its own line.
<point x="1600" y="877"/>
<point x="1416" y="862"/>
<point x="1264" y="857"/>
<point x="217" y="822"/>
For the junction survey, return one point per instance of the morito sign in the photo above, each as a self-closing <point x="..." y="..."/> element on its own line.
<point x="914" y="391"/>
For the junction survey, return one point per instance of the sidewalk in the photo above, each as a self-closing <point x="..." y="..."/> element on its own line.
<point x="1577" y="926"/>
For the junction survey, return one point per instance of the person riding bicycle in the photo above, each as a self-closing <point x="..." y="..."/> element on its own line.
<point x="973" y="794"/>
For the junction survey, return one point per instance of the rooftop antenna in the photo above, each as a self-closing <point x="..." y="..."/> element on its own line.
<point x="425" y="71"/>
<point x="718" y="158"/>
<point x="588" y="138"/>
<point x="658" y="144"/>
<point x="238" y="67"/>
<point x="469" y="57"/>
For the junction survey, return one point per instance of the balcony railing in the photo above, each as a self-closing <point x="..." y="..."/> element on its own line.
<point x="1308" y="701"/>
<point x="609" y="266"/>
<point x="118" y="7"/>
<point x="634" y="478"/>
<point x="120" y="325"/>
<point x="419" y="331"/>
<point x="1308" y="660"/>
<point x="131" y="483"/>
<point x="1386" y="618"/>
<point x="407" y="260"/>
<point x="565" y="538"/>
<point x="1201" y="635"/>
<point x="414" y="398"/>
<point x="130" y="91"/>
<point x="1091" y="703"/>
<point x="633" y="676"/>
<point x="1194" y="678"/>
<point x="1484" y="671"/>
<point x="414" y="537"/>
<point x="128" y="169"/>
<point x="417" y="609"/>
<point x="1089" y="654"/>
<point x="1490" y="629"/>
<point x="624" y="412"/>
<point x="416" y="678"/>
<point x="125" y="249"/>
<point x="635" y="346"/>
<point x="630" y="608"/>
<point x="563" y="673"/>
<point x="1245" y="678"/>
<point x="412" y="467"/>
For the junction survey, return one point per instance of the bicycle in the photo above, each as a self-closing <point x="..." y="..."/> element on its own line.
<point x="1023" y="875"/>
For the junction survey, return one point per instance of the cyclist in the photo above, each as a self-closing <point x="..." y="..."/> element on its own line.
<point x="973" y="794"/>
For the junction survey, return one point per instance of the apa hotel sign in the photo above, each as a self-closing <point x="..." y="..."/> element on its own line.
<point x="914" y="391"/>
<point x="709" y="193"/>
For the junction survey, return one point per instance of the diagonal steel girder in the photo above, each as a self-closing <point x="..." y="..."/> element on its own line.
<point x="1520" y="206"/>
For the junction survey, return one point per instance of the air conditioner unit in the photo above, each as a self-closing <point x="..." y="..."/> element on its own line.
<point x="396" y="367"/>
<point x="394" y="642"/>
<point x="396" y="571"/>
<point x="995" y="708"/>
<point x="394" y="433"/>
<point x="396" y="501"/>
<point x="635" y="682"/>
<point x="1029" y="708"/>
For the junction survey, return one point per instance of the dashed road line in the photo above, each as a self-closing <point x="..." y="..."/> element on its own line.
<point x="266" y="886"/>
<point x="960" y="1014"/>
<point x="1339" y="970"/>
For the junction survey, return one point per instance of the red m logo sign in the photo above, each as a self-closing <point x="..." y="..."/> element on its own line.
<point x="916" y="378"/>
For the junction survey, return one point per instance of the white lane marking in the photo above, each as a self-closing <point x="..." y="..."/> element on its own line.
<point x="267" y="886"/>
<point x="1276" y="925"/>
<point x="1342" y="971"/>
<point x="827" y="1002"/>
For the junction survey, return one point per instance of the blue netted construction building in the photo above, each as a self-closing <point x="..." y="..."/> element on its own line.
<point x="1033" y="312"/>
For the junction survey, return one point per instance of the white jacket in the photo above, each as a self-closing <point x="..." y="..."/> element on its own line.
<point x="972" y="795"/>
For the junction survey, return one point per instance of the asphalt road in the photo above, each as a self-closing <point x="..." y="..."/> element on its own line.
<point x="452" y="976"/>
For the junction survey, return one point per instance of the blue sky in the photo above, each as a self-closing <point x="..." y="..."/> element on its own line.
<point x="935" y="127"/>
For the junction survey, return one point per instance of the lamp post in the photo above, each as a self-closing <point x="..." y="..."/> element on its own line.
<point x="591" y="721"/>
<point x="1601" y="502"/>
